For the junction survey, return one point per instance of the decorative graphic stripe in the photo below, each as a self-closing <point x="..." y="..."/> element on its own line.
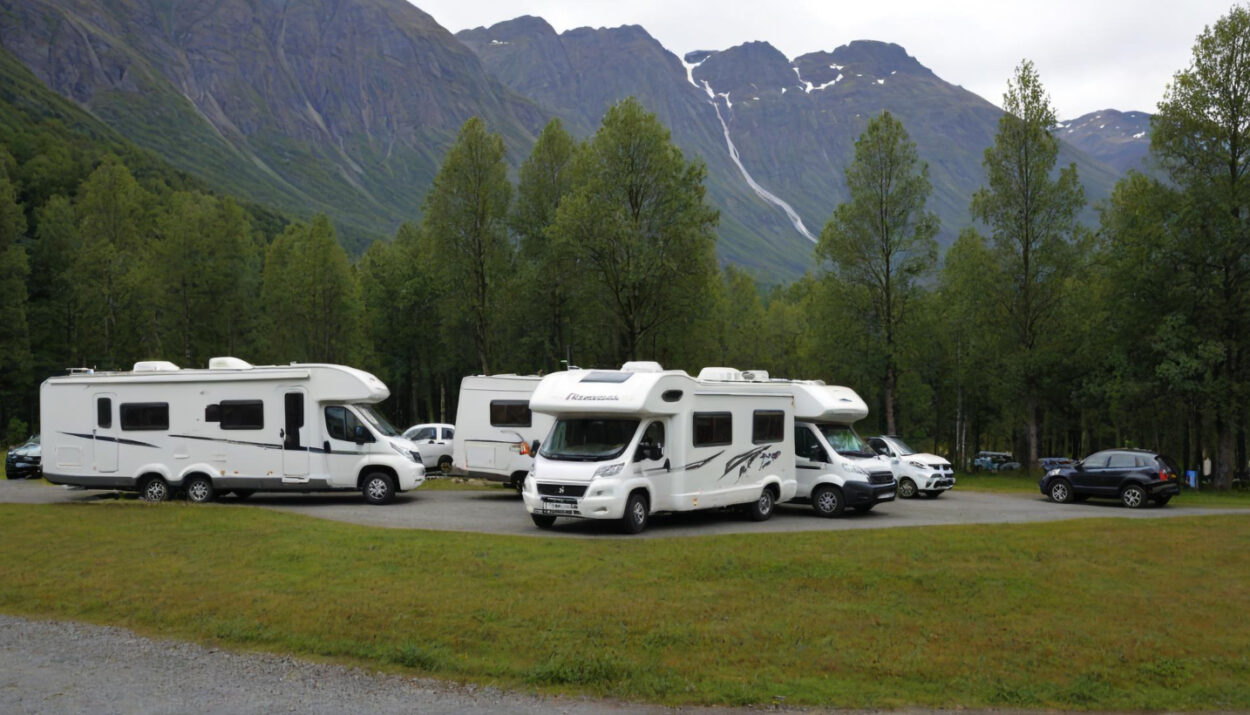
<point x="105" y="438"/>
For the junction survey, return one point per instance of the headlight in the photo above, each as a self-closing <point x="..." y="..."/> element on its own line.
<point x="1052" y="473"/>
<point x="609" y="470"/>
<point x="412" y="456"/>
<point x="917" y="465"/>
<point x="856" y="469"/>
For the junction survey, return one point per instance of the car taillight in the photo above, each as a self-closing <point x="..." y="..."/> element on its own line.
<point x="1164" y="476"/>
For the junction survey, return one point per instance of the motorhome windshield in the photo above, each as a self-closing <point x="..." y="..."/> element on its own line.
<point x="589" y="439"/>
<point x="845" y="442"/>
<point x="378" y="421"/>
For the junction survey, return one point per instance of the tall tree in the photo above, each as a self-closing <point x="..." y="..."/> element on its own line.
<point x="1201" y="136"/>
<point x="1032" y="218"/>
<point x="882" y="240"/>
<point x="15" y="357"/>
<point x="311" y="296"/>
<point x="547" y="273"/>
<point x="638" y="224"/>
<point x="465" y="216"/>
<point x="53" y="318"/>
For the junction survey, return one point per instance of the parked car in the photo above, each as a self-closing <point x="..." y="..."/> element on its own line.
<point x="916" y="472"/>
<point x="1049" y="463"/>
<point x="1134" y="476"/>
<point x="994" y="462"/>
<point x="24" y="460"/>
<point x="434" y="441"/>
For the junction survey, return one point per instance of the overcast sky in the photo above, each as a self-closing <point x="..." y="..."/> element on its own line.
<point x="1091" y="54"/>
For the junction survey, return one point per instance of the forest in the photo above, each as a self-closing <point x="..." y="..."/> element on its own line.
<point x="1033" y="333"/>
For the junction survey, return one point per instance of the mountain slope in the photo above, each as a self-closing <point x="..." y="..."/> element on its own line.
<point x="342" y="106"/>
<point x="1118" y="139"/>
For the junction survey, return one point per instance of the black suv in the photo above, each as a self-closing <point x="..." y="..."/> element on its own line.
<point x="1134" y="476"/>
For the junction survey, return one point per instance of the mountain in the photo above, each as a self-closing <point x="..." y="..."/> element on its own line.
<point x="776" y="133"/>
<point x="341" y="106"/>
<point x="1120" y="140"/>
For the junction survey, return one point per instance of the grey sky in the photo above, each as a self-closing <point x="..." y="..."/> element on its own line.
<point x="1091" y="54"/>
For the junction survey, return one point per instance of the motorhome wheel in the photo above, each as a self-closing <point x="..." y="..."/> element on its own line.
<point x="154" y="489"/>
<point x="827" y="500"/>
<point x="762" y="508"/>
<point x="543" y="521"/>
<point x="379" y="488"/>
<point x="199" y="489"/>
<point x="635" y="519"/>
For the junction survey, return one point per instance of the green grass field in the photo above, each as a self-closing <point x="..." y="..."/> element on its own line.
<point x="1088" y="614"/>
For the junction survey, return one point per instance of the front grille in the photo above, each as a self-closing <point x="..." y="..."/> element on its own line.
<point x="880" y="478"/>
<point x="562" y="490"/>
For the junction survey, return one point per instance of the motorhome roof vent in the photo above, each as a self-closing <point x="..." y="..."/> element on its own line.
<point x="720" y="374"/>
<point x="228" y="363"/>
<point x="642" y="366"/>
<point x="155" y="366"/>
<point x="760" y="375"/>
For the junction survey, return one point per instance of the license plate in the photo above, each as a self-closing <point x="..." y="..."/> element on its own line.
<point x="558" y="507"/>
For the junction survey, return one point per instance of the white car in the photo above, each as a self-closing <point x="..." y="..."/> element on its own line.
<point x="434" y="442"/>
<point x="917" y="472"/>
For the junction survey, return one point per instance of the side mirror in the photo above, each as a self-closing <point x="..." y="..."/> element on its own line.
<point x="534" y="447"/>
<point x="362" y="435"/>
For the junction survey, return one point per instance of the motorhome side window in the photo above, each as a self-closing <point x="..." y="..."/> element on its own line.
<point x="342" y="424"/>
<point x="145" y="415"/>
<point x="104" y="412"/>
<point x="713" y="428"/>
<point x="242" y="414"/>
<point x="510" y="413"/>
<point x="768" y="426"/>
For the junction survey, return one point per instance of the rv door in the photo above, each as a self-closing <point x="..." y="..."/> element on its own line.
<point x="294" y="434"/>
<point x="104" y="434"/>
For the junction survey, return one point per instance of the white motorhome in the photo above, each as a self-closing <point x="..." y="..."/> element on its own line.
<point x="495" y="428"/>
<point x="632" y="442"/>
<point x="836" y="469"/>
<point x="234" y="428"/>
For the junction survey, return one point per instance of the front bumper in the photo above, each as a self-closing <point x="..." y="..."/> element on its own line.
<point x="936" y="483"/>
<point x="1162" y="488"/>
<point x="22" y="469"/>
<point x="861" y="493"/>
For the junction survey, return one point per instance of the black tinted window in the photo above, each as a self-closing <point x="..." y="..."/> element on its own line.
<point x="768" y="426"/>
<point x="510" y="413"/>
<point x="145" y="415"/>
<point x="712" y="428"/>
<point x="104" y="412"/>
<point x="341" y="424"/>
<point x="242" y="414"/>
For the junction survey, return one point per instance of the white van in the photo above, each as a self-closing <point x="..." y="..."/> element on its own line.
<point x="836" y="469"/>
<point x="495" y="427"/>
<point x="632" y="442"/>
<point x="234" y="427"/>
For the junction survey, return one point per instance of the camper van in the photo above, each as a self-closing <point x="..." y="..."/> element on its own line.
<point x="835" y="467"/>
<point x="632" y="442"/>
<point x="495" y="427"/>
<point x="233" y="428"/>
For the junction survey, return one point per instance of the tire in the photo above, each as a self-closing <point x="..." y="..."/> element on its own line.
<point x="199" y="489"/>
<point x="828" y="501"/>
<point x="378" y="488"/>
<point x="906" y="489"/>
<point x="518" y="482"/>
<point x="242" y="494"/>
<point x="762" y="508"/>
<point x="543" y="521"/>
<point x="1163" y="500"/>
<point x="635" y="519"/>
<point x="1133" y="496"/>
<point x="154" y="489"/>
<point x="1060" y="491"/>
<point x="444" y="464"/>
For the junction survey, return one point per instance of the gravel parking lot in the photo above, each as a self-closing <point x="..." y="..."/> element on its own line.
<point x="499" y="511"/>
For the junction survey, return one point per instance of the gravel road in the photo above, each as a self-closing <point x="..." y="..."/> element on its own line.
<point x="499" y="511"/>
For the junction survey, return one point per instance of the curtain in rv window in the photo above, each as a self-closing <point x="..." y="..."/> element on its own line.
<point x="145" y="415"/>
<point x="510" y="413"/>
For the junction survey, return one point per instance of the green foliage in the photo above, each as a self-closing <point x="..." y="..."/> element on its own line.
<point x="15" y="355"/>
<point x="465" y="217"/>
<point x="311" y="297"/>
<point x="882" y="242"/>
<point x="637" y="224"/>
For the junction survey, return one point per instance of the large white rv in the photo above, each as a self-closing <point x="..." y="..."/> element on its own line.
<point x="234" y="427"/>
<point x="495" y="427"/>
<point x="631" y="442"/>
<point x="836" y="469"/>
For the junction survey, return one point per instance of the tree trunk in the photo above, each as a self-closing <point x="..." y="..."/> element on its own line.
<point x="1030" y="407"/>
<point x="891" y="378"/>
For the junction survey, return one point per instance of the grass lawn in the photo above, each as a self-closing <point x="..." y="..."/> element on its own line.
<point x="1019" y="482"/>
<point x="1086" y="614"/>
